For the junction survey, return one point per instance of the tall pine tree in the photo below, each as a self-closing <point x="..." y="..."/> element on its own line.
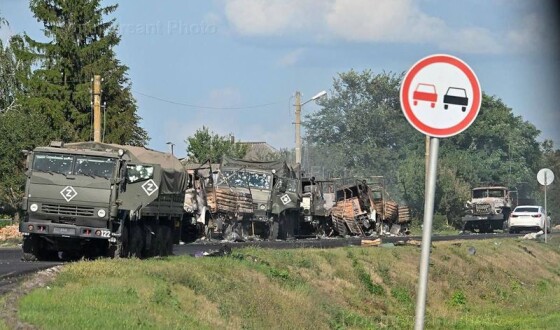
<point x="58" y="84"/>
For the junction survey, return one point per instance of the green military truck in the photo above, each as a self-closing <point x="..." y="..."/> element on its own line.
<point x="94" y="199"/>
<point x="252" y="199"/>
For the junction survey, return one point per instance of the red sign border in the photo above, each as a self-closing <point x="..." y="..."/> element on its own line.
<point x="449" y="131"/>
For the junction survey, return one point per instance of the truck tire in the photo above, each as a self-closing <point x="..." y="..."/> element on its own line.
<point x="136" y="240"/>
<point x="168" y="239"/>
<point x="150" y="241"/>
<point x="273" y="230"/>
<point x="34" y="251"/>
<point x="121" y="248"/>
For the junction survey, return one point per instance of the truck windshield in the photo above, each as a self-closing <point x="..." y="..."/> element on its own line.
<point x="245" y="179"/>
<point x="483" y="193"/>
<point x="95" y="166"/>
<point x="53" y="163"/>
<point x="283" y="185"/>
<point x="74" y="164"/>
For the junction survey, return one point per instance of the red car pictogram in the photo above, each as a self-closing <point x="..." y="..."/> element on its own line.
<point x="425" y="92"/>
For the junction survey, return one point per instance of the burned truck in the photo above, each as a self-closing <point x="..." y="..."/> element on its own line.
<point x="362" y="208"/>
<point x="488" y="209"/>
<point x="94" y="199"/>
<point x="251" y="199"/>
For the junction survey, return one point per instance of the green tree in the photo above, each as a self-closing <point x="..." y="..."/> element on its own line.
<point x="9" y="84"/>
<point x="19" y="130"/>
<point x="206" y="145"/>
<point x="80" y="44"/>
<point x="501" y="148"/>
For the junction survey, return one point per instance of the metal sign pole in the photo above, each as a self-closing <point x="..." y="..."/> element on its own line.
<point x="426" y="235"/>
<point x="545" y="210"/>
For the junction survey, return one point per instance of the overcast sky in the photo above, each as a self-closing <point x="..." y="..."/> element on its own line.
<point x="234" y="66"/>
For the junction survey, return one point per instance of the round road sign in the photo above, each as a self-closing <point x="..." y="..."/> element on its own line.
<point x="545" y="176"/>
<point x="440" y="96"/>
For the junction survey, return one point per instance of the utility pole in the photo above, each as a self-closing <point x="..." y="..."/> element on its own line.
<point x="298" y="128"/>
<point x="96" y="108"/>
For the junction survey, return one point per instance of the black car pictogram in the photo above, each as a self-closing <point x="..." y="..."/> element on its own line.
<point x="456" y="96"/>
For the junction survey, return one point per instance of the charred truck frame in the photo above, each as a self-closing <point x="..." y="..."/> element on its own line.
<point x="349" y="206"/>
<point x="94" y="199"/>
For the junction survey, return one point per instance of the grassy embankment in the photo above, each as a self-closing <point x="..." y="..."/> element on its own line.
<point x="506" y="284"/>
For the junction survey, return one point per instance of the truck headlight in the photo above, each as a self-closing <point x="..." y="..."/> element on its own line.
<point x="33" y="207"/>
<point x="101" y="213"/>
<point x="261" y="206"/>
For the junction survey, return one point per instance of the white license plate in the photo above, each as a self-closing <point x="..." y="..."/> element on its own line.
<point x="64" y="231"/>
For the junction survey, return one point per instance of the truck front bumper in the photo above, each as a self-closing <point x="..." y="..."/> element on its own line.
<point x="63" y="230"/>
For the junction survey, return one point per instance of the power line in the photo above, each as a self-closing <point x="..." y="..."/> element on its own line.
<point x="203" y="106"/>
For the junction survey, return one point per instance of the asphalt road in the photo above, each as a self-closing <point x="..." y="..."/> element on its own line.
<point x="12" y="268"/>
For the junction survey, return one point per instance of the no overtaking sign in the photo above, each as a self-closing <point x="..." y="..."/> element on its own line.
<point x="440" y="96"/>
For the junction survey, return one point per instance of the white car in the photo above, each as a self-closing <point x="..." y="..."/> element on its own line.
<point x="528" y="217"/>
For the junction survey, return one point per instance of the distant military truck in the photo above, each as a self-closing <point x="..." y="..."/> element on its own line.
<point x="488" y="209"/>
<point x="251" y="199"/>
<point x="94" y="199"/>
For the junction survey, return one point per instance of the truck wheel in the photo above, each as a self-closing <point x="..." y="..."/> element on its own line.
<point x="286" y="225"/>
<point x="29" y="247"/>
<point x="341" y="229"/>
<point x="33" y="250"/>
<point x="136" y="240"/>
<point x="121" y="248"/>
<point x="273" y="230"/>
<point x="164" y="240"/>
<point x="168" y="239"/>
<point x="150" y="241"/>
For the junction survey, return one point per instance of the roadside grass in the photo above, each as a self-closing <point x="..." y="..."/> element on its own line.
<point x="3" y="325"/>
<point x="506" y="284"/>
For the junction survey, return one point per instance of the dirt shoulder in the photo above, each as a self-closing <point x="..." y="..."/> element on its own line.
<point x="19" y="288"/>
